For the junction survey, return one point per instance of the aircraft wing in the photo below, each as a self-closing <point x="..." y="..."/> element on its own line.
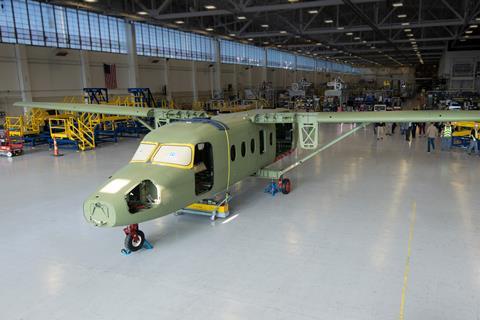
<point x="308" y="121"/>
<point x="93" y="108"/>
<point x="160" y="115"/>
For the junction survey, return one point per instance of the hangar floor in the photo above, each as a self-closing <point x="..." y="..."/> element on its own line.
<point x="335" y="248"/>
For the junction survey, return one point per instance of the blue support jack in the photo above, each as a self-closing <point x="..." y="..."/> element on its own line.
<point x="272" y="188"/>
<point x="146" y="245"/>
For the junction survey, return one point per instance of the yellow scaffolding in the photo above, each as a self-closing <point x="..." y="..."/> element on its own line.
<point x="73" y="129"/>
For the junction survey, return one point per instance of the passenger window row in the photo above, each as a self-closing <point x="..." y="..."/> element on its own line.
<point x="243" y="148"/>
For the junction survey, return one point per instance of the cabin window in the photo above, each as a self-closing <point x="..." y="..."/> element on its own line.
<point x="233" y="154"/>
<point x="271" y="138"/>
<point x="174" y="155"/>
<point x="144" y="152"/>
<point x="203" y="168"/>
<point x="244" y="149"/>
<point x="252" y="145"/>
<point x="261" y="134"/>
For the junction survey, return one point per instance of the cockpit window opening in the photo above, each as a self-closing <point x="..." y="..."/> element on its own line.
<point x="203" y="168"/>
<point x="144" y="152"/>
<point x="174" y="155"/>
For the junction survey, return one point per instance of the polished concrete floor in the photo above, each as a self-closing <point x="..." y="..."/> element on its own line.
<point x="368" y="225"/>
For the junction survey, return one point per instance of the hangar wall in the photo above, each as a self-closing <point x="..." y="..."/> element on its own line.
<point x="461" y="69"/>
<point x="52" y="77"/>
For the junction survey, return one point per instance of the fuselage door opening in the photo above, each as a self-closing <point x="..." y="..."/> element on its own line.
<point x="203" y="168"/>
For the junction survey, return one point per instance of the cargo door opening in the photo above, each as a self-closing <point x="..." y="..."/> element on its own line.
<point x="284" y="137"/>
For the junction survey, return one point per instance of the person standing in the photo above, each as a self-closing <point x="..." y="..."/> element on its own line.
<point x="421" y="129"/>
<point x="408" y="132"/>
<point x="447" y="137"/>
<point x="473" y="140"/>
<point x="414" y="130"/>
<point x="381" y="131"/>
<point x="432" y="133"/>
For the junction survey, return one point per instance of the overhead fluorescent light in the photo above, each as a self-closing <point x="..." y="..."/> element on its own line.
<point x="364" y="41"/>
<point x="328" y="21"/>
<point x="242" y="18"/>
<point x="356" y="38"/>
<point x="405" y="23"/>
<point x="468" y="31"/>
<point x="409" y="34"/>
<point x="473" y="26"/>
<point x="179" y="22"/>
<point x="283" y="31"/>
<point x="403" y="15"/>
<point x="210" y="7"/>
<point x="397" y="4"/>
<point x="372" y="47"/>
<point x="209" y="29"/>
<point x="232" y="34"/>
<point x="319" y="43"/>
<point x="349" y="33"/>
<point x="250" y="39"/>
<point x="142" y="13"/>
<point x="292" y="1"/>
<point x="407" y="30"/>
<point x="477" y="19"/>
<point x="313" y="11"/>
<point x="463" y="40"/>
<point x="90" y="1"/>
<point x="340" y="28"/>
<point x="264" y="25"/>
<point x="266" y="42"/>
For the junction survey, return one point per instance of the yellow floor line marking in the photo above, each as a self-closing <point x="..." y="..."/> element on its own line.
<point x="407" y="262"/>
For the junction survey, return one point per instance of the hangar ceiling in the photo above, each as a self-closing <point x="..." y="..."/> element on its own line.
<point x="365" y="32"/>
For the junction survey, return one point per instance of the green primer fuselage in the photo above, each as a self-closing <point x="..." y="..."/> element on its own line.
<point x="177" y="185"/>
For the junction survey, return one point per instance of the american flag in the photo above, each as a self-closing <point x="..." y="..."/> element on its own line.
<point x="110" y="72"/>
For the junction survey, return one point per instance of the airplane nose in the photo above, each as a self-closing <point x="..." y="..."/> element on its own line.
<point x="99" y="213"/>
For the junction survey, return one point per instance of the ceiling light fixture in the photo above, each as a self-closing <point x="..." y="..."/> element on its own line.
<point x="283" y="32"/>
<point x="340" y="28"/>
<point x="468" y="31"/>
<point x="328" y="21"/>
<point x="319" y="43"/>
<point x="264" y="25"/>
<point x="242" y="18"/>
<point x="90" y="1"/>
<point x="407" y="30"/>
<point x="209" y="29"/>
<point x="405" y="23"/>
<point x="210" y="7"/>
<point x="410" y="35"/>
<point x="397" y="4"/>
<point x="179" y="22"/>
<point x="250" y="39"/>
<point x="356" y="38"/>
<point x="313" y="11"/>
<point x="142" y="13"/>
<point x="349" y="33"/>
<point x="401" y="16"/>
<point x="473" y="26"/>
<point x="232" y="34"/>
